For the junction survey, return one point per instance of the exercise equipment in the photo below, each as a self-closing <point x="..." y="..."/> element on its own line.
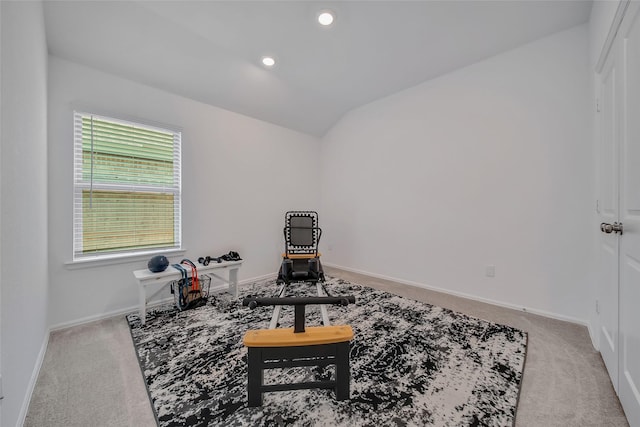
<point x="158" y="264"/>
<point x="299" y="346"/>
<point x="301" y="259"/>
<point x="189" y="291"/>
<point x="296" y="347"/>
<point x="206" y="260"/>
<point x="231" y="256"/>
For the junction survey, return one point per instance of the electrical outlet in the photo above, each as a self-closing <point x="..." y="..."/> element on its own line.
<point x="490" y="271"/>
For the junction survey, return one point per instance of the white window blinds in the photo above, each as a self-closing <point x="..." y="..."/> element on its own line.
<point x="126" y="187"/>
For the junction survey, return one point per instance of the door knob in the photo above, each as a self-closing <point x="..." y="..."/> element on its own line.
<point x="606" y="227"/>
<point x="617" y="227"/>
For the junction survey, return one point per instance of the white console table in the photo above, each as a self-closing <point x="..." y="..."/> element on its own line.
<point x="146" y="277"/>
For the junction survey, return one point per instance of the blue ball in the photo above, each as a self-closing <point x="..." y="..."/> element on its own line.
<point x="158" y="263"/>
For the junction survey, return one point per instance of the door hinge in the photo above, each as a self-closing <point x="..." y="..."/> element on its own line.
<point x="597" y="206"/>
<point x="597" y="307"/>
<point x="597" y="105"/>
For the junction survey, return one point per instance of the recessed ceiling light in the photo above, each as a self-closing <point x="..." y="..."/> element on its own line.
<point x="268" y="61"/>
<point x="326" y="18"/>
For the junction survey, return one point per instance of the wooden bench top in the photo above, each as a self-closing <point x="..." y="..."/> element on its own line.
<point x="285" y="337"/>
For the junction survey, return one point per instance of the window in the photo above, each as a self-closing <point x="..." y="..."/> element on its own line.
<point x="126" y="187"/>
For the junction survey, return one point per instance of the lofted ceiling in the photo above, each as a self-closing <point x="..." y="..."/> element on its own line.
<point x="210" y="51"/>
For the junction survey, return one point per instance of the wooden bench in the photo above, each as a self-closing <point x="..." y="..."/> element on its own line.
<point x="146" y="278"/>
<point x="284" y="348"/>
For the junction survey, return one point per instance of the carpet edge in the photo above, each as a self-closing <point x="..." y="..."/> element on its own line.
<point x="524" y="365"/>
<point x="144" y="380"/>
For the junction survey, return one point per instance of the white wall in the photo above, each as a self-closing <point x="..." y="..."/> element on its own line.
<point x="240" y="175"/>
<point x="1" y="371"/>
<point x="488" y="165"/>
<point x="23" y="276"/>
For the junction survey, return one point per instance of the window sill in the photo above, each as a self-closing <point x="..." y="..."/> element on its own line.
<point x="100" y="261"/>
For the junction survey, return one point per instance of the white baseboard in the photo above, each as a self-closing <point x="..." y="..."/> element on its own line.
<point x="101" y="316"/>
<point x="132" y="309"/>
<point x="32" y="381"/>
<point x="593" y="334"/>
<point x="465" y="295"/>
<point x="258" y="278"/>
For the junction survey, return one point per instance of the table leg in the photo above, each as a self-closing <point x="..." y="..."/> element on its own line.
<point x="142" y="300"/>
<point x="233" y="282"/>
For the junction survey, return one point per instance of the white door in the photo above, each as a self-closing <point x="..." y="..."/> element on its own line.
<point x="608" y="210"/>
<point x="629" y="326"/>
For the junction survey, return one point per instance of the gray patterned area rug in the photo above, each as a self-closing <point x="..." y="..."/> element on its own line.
<point x="412" y="364"/>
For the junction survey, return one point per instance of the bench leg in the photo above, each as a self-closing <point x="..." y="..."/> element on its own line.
<point x="343" y="374"/>
<point x="233" y="282"/>
<point x="142" y="303"/>
<point x="255" y="376"/>
<point x="255" y="370"/>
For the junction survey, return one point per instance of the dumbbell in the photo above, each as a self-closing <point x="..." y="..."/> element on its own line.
<point x="208" y="259"/>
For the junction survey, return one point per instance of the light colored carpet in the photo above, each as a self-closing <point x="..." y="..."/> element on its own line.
<point x="90" y="375"/>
